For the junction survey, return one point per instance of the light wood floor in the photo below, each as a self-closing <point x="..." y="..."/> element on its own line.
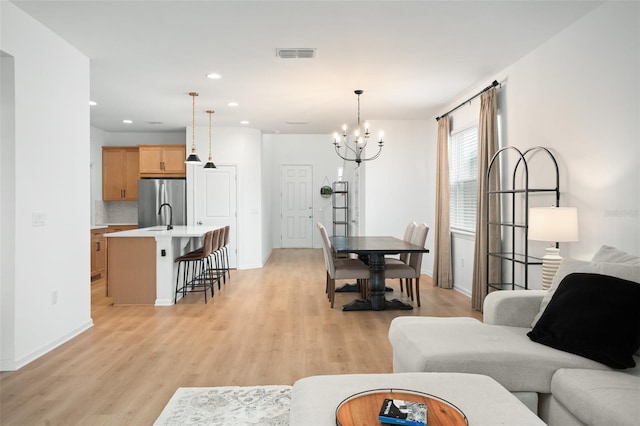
<point x="266" y="326"/>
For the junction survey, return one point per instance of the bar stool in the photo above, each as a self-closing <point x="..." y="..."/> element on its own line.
<point x="225" y="249"/>
<point x="216" y="243"/>
<point x="195" y="265"/>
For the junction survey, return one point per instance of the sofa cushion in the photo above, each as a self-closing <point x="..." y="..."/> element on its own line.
<point x="465" y="345"/>
<point x="570" y="266"/>
<point x="598" y="397"/>
<point x="613" y="255"/>
<point x="595" y="316"/>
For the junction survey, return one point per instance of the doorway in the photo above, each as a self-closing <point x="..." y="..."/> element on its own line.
<point x="218" y="206"/>
<point x="296" y="189"/>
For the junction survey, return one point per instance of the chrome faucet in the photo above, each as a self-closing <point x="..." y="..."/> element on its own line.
<point x="170" y="225"/>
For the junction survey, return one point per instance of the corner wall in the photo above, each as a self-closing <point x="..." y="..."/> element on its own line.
<point x="579" y="95"/>
<point x="51" y="260"/>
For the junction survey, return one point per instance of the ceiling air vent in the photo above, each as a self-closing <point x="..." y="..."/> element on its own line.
<point x="305" y="53"/>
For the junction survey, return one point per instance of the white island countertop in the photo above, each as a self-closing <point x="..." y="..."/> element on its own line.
<point x="179" y="231"/>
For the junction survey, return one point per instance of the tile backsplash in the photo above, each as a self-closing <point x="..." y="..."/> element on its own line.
<point x="115" y="212"/>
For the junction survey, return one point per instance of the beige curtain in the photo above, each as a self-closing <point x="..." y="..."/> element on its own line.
<point x="487" y="147"/>
<point x="442" y="276"/>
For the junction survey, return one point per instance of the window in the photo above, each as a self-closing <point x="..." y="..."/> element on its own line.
<point x="463" y="179"/>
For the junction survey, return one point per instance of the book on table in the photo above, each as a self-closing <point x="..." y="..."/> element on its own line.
<point x="402" y="412"/>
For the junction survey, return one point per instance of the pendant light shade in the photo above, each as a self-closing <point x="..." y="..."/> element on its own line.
<point x="210" y="164"/>
<point x="193" y="157"/>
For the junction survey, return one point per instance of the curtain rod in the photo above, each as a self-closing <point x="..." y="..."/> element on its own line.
<point x="494" y="84"/>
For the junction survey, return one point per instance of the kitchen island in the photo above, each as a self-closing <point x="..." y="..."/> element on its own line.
<point x="141" y="262"/>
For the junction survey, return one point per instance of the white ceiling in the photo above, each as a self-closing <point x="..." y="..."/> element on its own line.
<point x="410" y="57"/>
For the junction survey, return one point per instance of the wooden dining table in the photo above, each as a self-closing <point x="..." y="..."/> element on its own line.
<point x="375" y="249"/>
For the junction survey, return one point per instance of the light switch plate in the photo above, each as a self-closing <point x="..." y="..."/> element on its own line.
<point x="38" y="218"/>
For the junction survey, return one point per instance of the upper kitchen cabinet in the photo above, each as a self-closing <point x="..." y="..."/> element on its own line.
<point x="120" y="173"/>
<point x="162" y="160"/>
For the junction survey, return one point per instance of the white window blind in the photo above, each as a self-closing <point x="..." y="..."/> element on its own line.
<point x="463" y="179"/>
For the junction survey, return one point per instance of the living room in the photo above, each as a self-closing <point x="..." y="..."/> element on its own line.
<point x="577" y="93"/>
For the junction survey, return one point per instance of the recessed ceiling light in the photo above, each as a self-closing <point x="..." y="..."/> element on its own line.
<point x="244" y="122"/>
<point x="232" y="104"/>
<point x="127" y="121"/>
<point x="213" y="76"/>
<point x="93" y="103"/>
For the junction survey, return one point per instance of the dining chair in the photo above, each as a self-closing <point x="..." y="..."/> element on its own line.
<point x="404" y="257"/>
<point x="340" y="269"/>
<point x="411" y="270"/>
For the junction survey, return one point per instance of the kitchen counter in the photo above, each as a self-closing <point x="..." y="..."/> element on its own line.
<point x="178" y="231"/>
<point x="141" y="262"/>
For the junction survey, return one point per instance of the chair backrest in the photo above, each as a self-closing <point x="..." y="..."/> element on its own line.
<point x="226" y="235"/>
<point x="326" y="250"/>
<point x="408" y="236"/>
<point x="215" y="240"/>
<point x="207" y="245"/>
<point x="419" y="238"/>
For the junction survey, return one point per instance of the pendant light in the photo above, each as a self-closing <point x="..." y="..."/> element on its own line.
<point x="193" y="157"/>
<point x="210" y="164"/>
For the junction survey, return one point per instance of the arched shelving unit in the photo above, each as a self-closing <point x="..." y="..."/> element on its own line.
<point x="513" y="225"/>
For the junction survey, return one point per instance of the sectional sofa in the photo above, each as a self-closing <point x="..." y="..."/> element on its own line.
<point x="567" y="353"/>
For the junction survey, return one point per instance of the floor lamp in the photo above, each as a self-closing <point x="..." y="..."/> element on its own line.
<point x="555" y="224"/>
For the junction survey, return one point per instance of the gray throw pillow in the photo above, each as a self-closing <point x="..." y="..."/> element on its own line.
<point x="613" y="255"/>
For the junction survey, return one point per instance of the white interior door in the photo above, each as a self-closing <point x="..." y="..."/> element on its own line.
<point x="297" y="206"/>
<point x="216" y="202"/>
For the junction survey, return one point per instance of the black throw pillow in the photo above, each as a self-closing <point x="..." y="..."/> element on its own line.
<point x="594" y="316"/>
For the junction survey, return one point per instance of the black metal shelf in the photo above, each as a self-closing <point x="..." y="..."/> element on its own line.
<point x="522" y="191"/>
<point x="516" y="226"/>
<point x="518" y="258"/>
<point x="340" y="201"/>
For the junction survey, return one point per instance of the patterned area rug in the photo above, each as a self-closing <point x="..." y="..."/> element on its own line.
<point x="232" y="405"/>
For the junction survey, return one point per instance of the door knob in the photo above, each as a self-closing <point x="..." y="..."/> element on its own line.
<point x="199" y="222"/>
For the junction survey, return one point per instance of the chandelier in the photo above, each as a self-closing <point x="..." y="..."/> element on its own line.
<point x="360" y="140"/>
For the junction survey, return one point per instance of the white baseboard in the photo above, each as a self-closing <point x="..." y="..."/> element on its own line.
<point x="462" y="290"/>
<point x="21" y="362"/>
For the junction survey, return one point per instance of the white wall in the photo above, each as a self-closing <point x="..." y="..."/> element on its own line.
<point x="267" y="202"/>
<point x="315" y="150"/>
<point x="400" y="185"/>
<point x="578" y="94"/>
<point x="242" y="147"/>
<point x="51" y="164"/>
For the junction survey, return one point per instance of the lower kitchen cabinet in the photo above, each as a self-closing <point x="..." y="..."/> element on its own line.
<point x="98" y="253"/>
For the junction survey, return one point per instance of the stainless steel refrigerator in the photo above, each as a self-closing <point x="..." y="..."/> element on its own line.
<point x="152" y="193"/>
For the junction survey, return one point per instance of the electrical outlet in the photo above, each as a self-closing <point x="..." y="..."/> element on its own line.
<point x="462" y="263"/>
<point x="54" y="297"/>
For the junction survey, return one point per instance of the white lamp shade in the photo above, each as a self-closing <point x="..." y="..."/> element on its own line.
<point x="553" y="224"/>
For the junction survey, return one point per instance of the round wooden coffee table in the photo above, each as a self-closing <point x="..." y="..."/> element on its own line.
<point x="363" y="408"/>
